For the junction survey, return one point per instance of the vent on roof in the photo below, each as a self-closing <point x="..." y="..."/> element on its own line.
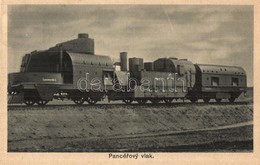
<point x="82" y="35"/>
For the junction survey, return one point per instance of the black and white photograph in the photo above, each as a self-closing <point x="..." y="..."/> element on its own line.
<point x="126" y="79"/>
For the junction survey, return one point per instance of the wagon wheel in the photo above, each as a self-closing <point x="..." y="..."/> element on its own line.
<point x="193" y="99"/>
<point x="232" y="99"/>
<point x="168" y="101"/>
<point x="128" y="101"/>
<point x="29" y="102"/>
<point x="206" y="99"/>
<point x="42" y="102"/>
<point x="91" y="101"/>
<point x="79" y="101"/>
<point x="218" y="100"/>
<point x="155" y="101"/>
<point x="142" y="101"/>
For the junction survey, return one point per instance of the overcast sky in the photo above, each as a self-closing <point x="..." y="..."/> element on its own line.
<point x="203" y="34"/>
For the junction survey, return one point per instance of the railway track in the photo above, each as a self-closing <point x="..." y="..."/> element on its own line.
<point x="119" y="105"/>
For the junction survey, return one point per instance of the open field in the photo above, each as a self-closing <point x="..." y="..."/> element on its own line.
<point x="67" y="128"/>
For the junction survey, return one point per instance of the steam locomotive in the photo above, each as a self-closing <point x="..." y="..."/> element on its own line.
<point x="73" y="71"/>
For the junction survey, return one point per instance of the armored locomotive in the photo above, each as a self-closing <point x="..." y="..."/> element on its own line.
<point x="72" y="70"/>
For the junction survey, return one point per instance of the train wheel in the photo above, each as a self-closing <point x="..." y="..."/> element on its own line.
<point x="218" y="100"/>
<point x="13" y="93"/>
<point x="232" y="99"/>
<point x="78" y="101"/>
<point x="206" y="99"/>
<point x="193" y="99"/>
<point x="128" y="101"/>
<point x="167" y="101"/>
<point x="91" y="101"/>
<point x="42" y="102"/>
<point x="142" y="101"/>
<point x="29" y="102"/>
<point x="155" y="101"/>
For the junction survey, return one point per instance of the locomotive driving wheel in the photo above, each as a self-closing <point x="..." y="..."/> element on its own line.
<point x="168" y="101"/>
<point x="29" y="102"/>
<point x="218" y="100"/>
<point x="79" y="101"/>
<point x="155" y="101"/>
<point x="142" y="101"/>
<point x="193" y="99"/>
<point x="91" y="101"/>
<point x="206" y="99"/>
<point x="128" y="101"/>
<point x="232" y="99"/>
<point x="42" y="102"/>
